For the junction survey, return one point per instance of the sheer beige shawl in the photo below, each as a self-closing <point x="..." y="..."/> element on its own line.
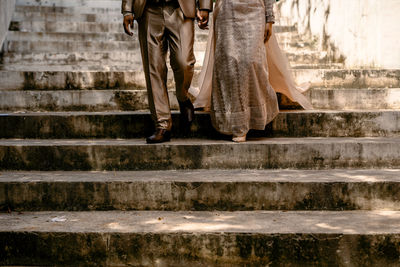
<point x="280" y="75"/>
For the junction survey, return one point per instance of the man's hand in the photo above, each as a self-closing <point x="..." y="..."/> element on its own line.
<point x="268" y="31"/>
<point x="202" y="18"/>
<point x="128" y="24"/>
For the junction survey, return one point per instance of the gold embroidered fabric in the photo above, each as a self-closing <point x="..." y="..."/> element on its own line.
<point x="237" y="83"/>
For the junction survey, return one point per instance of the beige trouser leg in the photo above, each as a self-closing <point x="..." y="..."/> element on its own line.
<point x="160" y="27"/>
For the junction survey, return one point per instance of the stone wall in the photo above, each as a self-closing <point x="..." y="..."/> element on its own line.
<point x="6" y="12"/>
<point x="365" y="32"/>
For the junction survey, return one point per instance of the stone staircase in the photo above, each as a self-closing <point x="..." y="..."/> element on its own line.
<point x="79" y="186"/>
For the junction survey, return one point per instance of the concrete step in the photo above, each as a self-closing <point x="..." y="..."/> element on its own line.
<point x="70" y="36"/>
<point x="75" y="47"/>
<point x="106" y="66"/>
<point x="71" y="58"/>
<point x="55" y="80"/>
<point x="205" y="190"/>
<point x="90" y="58"/>
<point x="83" y="27"/>
<point x="58" y="16"/>
<point x="200" y="39"/>
<point x="131" y="100"/>
<point x="70" y="10"/>
<point x="66" y="26"/>
<point x="123" y="57"/>
<point x="329" y="65"/>
<point x="347" y="99"/>
<point x="66" y="80"/>
<point x="78" y="100"/>
<point x="286" y="40"/>
<point x="138" y="124"/>
<point x="114" y="16"/>
<point x="257" y="153"/>
<point x="146" y="238"/>
<point x="69" y="46"/>
<point x="71" y="3"/>
<point x="349" y="78"/>
<point x="309" y="57"/>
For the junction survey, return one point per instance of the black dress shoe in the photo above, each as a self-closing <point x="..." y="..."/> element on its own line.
<point x="160" y="136"/>
<point x="187" y="113"/>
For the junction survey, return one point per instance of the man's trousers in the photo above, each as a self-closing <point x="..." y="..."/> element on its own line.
<point x="164" y="26"/>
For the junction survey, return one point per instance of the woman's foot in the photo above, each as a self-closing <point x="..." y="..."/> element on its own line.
<point x="239" y="139"/>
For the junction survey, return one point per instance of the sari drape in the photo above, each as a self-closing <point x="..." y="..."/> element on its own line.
<point x="280" y="76"/>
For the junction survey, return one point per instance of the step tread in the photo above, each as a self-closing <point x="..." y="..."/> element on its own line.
<point x="264" y="222"/>
<point x="207" y="176"/>
<point x="69" y="10"/>
<point x="206" y="190"/>
<point x="312" y="71"/>
<point x="201" y="113"/>
<point x="134" y="124"/>
<point x="331" y="89"/>
<point x="109" y="65"/>
<point x="71" y="67"/>
<point x="318" y="74"/>
<point x="91" y="3"/>
<point x="257" y="153"/>
<point x="72" y="36"/>
<point x="194" y="142"/>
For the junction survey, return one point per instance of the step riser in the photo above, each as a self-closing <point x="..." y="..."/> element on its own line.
<point x="79" y="62"/>
<point x="198" y="196"/>
<point x="131" y="100"/>
<point x="348" y="78"/>
<point x="355" y="99"/>
<point x="90" y="100"/>
<point x="380" y="124"/>
<point x="348" y="99"/>
<point x="46" y="16"/>
<point x="200" y="40"/>
<point x="74" y="37"/>
<point x="66" y="26"/>
<point x="46" y="80"/>
<point x="112" y="58"/>
<point x="276" y="154"/>
<point x="64" y="42"/>
<point x="69" y="26"/>
<point x="208" y="249"/>
<point x="88" y="58"/>
<point x="74" y="64"/>
<point x="70" y="10"/>
<point x="102" y="3"/>
<point x="200" y="36"/>
<point x="16" y="80"/>
<point x="67" y="80"/>
<point x="47" y="46"/>
<point x="299" y="58"/>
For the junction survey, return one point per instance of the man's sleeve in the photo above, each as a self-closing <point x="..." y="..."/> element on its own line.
<point x="126" y="7"/>
<point x="205" y="5"/>
<point x="269" y="11"/>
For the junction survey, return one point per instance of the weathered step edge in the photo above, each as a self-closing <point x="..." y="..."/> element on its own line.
<point x="55" y="80"/>
<point x="131" y="100"/>
<point x="223" y="190"/>
<point x="202" y="239"/>
<point x="139" y="124"/>
<point x="133" y="154"/>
